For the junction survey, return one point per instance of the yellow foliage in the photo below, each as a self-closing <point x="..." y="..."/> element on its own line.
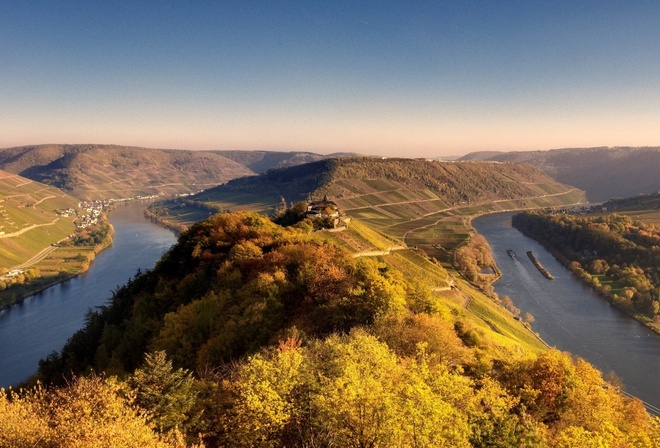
<point x="88" y="412"/>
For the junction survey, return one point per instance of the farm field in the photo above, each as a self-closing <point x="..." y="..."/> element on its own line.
<point x="31" y="218"/>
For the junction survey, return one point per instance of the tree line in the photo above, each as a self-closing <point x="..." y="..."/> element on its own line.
<point x="617" y="256"/>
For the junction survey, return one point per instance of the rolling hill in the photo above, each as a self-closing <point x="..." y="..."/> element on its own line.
<point x="602" y="172"/>
<point x="113" y="172"/>
<point x="404" y="198"/>
<point x="262" y="161"/>
<point x="31" y="217"/>
<point x="106" y="172"/>
<point x="280" y="336"/>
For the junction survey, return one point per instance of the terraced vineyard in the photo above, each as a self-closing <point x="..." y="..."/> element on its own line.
<point x="423" y="203"/>
<point x="115" y="172"/>
<point x="423" y="219"/>
<point x="32" y="217"/>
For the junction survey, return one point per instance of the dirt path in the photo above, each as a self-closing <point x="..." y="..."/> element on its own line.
<point x="28" y="228"/>
<point x="41" y="200"/>
<point x="378" y="253"/>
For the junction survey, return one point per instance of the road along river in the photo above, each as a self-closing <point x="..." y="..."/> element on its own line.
<point x="569" y="315"/>
<point x="42" y="323"/>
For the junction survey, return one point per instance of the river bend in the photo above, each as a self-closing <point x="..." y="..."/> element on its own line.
<point x="569" y="315"/>
<point x="41" y="324"/>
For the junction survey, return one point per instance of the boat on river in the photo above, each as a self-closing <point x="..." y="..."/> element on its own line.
<point x="539" y="266"/>
<point x="511" y="253"/>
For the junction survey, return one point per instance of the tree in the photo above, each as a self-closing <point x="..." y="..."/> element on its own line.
<point x="508" y="304"/>
<point x="87" y="412"/>
<point x="167" y="394"/>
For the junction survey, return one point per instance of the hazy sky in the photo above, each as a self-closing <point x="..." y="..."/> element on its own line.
<point x="392" y="78"/>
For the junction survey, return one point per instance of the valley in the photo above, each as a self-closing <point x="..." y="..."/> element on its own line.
<point x="243" y="307"/>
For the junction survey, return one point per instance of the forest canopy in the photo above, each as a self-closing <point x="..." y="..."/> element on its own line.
<point x="247" y="333"/>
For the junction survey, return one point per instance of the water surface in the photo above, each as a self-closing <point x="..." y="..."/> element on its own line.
<point x="569" y="315"/>
<point x="42" y="323"/>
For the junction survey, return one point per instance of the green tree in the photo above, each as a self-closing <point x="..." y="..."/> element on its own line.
<point x="167" y="394"/>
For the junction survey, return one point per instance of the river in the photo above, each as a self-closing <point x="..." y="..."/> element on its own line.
<point x="42" y="323"/>
<point x="569" y="315"/>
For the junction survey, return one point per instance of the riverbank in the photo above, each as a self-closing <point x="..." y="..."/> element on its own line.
<point x="177" y="229"/>
<point x="59" y="265"/>
<point x="588" y="279"/>
<point x="570" y="316"/>
<point x="41" y="324"/>
<point x="644" y="320"/>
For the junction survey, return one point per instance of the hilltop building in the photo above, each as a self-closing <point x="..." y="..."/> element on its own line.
<point x="322" y="209"/>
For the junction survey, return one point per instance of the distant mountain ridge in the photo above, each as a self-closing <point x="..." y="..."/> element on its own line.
<point x="262" y="161"/>
<point x="602" y="172"/>
<point x="343" y="178"/>
<point x="106" y="171"/>
<point x="93" y="171"/>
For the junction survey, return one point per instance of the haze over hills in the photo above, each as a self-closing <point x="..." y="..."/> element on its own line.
<point x="602" y="172"/>
<point x="262" y="161"/>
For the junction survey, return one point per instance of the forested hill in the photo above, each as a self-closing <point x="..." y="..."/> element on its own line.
<point x="603" y="172"/>
<point x="108" y="171"/>
<point x="451" y="182"/>
<point x="251" y="334"/>
<point x="385" y="192"/>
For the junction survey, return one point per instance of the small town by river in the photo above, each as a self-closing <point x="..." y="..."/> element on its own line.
<point x="41" y="324"/>
<point x="569" y="315"/>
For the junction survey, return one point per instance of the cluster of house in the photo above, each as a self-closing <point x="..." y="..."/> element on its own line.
<point x="322" y="209"/>
<point x="66" y="213"/>
<point x="93" y="210"/>
<point x="12" y="274"/>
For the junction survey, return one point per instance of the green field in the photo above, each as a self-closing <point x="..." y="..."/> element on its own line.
<point x="30" y="218"/>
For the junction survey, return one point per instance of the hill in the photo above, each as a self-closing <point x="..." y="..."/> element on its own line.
<point x="412" y="200"/>
<point x="113" y="172"/>
<point x="262" y="161"/>
<point x="32" y="217"/>
<point x="256" y="332"/>
<point x="603" y="173"/>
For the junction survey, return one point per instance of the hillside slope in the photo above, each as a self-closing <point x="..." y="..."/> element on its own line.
<point x="31" y="217"/>
<point x="603" y="173"/>
<point x="394" y="195"/>
<point x="106" y="171"/>
<point x="262" y="161"/>
<point x="288" y="339"/>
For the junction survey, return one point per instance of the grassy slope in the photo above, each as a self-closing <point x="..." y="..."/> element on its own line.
<point x="502" y="333"/>
<point x="104" y="171"/>
<point x="26" y="203"/>
<point x="646" y="208"/>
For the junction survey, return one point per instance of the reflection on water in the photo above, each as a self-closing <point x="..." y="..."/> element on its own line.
<point x="42" y="323"/>
<point x="569" y="315"/>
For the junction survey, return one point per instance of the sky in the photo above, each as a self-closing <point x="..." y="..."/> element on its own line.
<point x="404" y="78"/>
